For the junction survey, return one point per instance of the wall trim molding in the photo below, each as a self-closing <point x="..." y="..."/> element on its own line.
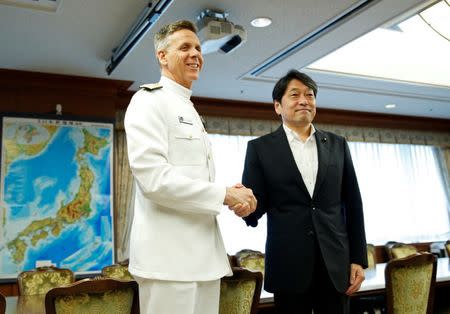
<point x="253" y="110"/>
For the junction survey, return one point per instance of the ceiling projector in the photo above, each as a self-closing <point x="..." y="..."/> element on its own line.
<point x="216" y="33"/>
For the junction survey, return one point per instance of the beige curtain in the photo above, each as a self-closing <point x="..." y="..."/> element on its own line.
<point x="446" y="156"/>
<point x="235" y="126"/>
<point x="238" y="126"/>
<point x="124" y="192"/>
<point x="446" y="153"/>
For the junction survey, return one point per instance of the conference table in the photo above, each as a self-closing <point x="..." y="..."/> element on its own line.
<point x="375" y="283"/>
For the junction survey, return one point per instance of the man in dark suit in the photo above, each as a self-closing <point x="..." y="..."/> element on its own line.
<point x="304" y="180"/>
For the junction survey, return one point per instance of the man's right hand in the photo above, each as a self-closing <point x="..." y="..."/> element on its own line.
<point x="241" y="200"/>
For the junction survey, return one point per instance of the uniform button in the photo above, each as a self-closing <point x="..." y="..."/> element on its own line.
<point x="313" y="208"/>
<point x="310" y="232"/>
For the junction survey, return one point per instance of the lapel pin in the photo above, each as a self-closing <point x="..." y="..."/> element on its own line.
<point x="324" y="139"/>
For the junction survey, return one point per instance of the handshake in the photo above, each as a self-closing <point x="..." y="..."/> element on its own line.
<point x="240" y="199"/>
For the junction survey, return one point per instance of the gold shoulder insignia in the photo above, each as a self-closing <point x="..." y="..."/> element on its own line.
<point x="151" y="87"/>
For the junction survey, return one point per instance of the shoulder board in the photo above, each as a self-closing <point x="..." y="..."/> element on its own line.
<point x="150" y="87"/>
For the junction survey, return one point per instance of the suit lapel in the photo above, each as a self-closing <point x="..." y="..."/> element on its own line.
<point x="323" y="156"/>
<point x="284" y="150"/>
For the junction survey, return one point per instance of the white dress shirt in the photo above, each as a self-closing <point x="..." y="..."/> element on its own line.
<point x="305" y="156"/>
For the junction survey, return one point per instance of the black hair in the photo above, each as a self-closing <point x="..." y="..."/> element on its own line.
<point x="280" y="87"/>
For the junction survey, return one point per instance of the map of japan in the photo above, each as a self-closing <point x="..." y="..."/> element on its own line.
<point x="56" y="195"/>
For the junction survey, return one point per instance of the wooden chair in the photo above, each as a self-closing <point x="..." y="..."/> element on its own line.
<point x="387" y="248"/>
<point x="117" y="271"/>
<point x="98" y="295"/>
<point x="42" y="279"/>
<point x="240" y="293"/>
<point x="251" y="260"/>
<point x="399" y="250"/>
<point x="410" y="283"/>
<point x="2" y="304"/>
<point x="232" y="260"/>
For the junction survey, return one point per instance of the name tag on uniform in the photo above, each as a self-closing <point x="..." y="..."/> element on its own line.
<point x="184" y="120"/>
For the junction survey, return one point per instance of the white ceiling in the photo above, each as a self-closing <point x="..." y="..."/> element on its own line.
<point x="78" y="38"/>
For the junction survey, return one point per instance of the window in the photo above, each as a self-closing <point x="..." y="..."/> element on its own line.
<point x="229" y="155"/>
<point x="403" y="192"/>
<point x="401" y="185"/>
<point x="401" y="50"/>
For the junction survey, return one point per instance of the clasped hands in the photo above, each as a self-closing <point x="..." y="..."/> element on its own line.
<point x="240" y="199"/>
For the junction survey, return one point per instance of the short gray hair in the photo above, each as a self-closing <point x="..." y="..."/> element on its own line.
<point x="161" y="37"/>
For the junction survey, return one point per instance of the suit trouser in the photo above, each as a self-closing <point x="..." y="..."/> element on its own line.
<point x="321" y="296"/>
<point x="177" y="297"/>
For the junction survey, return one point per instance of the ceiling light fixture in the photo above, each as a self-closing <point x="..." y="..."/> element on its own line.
<point x="261" y="21"/>
<point x="390" y="106"/>
<point x="217" y="34"/>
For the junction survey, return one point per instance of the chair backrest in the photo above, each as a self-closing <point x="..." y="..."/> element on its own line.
<point x="387" y="247"/>
<point x="251" y="260"/>
<point x="42" y="279"/>
<point x="117" y="271"/>
<point x="447" y="247"/>
<point x="410" y="284"/>
<point x="399" y="250"/>
<point x="403" y="250"/>
<point x="240" y="293"/>
<point x="2" y="304"/>
<point x="99" y="295"/>
<point x="371" y="257"/>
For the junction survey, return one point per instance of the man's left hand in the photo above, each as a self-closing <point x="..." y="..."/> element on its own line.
<point x="356" y="278"/>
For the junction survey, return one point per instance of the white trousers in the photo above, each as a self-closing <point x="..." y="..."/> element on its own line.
<point x="177" y="297"/>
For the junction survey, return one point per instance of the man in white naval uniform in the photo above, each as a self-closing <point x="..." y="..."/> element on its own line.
<point x="176" y="250"/>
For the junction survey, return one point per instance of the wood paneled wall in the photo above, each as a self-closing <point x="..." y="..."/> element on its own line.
<point x="34" y="92"/>
<point x="240" y="109"/>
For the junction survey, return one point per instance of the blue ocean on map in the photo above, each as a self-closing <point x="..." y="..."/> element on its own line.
<point x="36" y="187"/>
<point x="61" y="170"/>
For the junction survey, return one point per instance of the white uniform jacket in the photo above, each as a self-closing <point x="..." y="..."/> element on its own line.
<point x="175" y="235"/>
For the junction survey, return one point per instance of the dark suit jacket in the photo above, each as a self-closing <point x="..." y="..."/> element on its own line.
<point x="334" y="215"/>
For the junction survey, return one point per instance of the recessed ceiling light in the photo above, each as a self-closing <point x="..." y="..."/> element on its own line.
<point x="390" y="106"/>
<point x="261" y="22"/>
